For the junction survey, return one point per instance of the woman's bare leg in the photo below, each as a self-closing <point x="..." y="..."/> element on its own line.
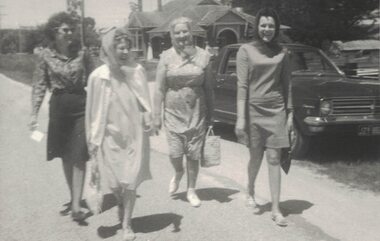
<point x="274" y="171"/>
<point x="129" y="199"/>
<point x="178" y="168"/>
<point x="79" y="170"/>
<point x="254" y="164"/>
<point x="192" y="175"/>
<point x="68" y="171"/>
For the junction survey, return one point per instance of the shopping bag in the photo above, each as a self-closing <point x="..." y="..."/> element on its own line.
<point x="211" y="149"/>
<point x="92" y="191"/>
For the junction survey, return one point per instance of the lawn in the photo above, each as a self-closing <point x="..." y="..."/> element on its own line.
<point x="354" y="161"/>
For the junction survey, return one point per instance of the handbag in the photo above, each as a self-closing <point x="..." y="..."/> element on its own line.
<point x="211" y="149"/>
<point x="92" y="191"/>
<point x="286" y="159"/>
<point x="286" y="156"/>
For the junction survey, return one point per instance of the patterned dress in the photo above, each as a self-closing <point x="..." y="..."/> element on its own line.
<point x="185" y="107"/>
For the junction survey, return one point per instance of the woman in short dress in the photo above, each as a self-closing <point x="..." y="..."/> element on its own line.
<point x="118" y="123"/>
<point x="185" y="95"/>
<point x="263" y="105"/>
<point x="63" y="68"/>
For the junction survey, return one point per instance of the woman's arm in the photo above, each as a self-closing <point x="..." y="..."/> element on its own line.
<point x="287" y="89"/>
<point x="159" y="93"/>
<point x="209" y="94"/>
<point x="286" y="82"/>
<point x="242" y="71"/>
<point x="40" y="85"/>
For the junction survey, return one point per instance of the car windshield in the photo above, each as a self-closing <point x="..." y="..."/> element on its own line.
<point x="309" y="60"/>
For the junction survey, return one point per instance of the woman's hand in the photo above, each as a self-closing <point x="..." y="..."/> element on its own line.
<point x="33" y="124"/>
<point x="240" y="131"/>
<point x="94" y="173"/>
<point x="289" y="121"/>
<point x="92" y="150"/>
<point x="157" y="125"/>
<point x="210" y="122"/>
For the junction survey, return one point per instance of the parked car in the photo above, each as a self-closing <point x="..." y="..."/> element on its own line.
<point x="325" y="100"/>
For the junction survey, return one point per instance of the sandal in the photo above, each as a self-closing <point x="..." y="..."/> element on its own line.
<point x="251" y="203"/>
<point x="65" y="211"/>
<point x="78" y="216"/>
<point x="279" y="220"/>
<point x="128" y="234"/>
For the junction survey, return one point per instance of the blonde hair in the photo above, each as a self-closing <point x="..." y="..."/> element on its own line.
<point x="180" y="20"/>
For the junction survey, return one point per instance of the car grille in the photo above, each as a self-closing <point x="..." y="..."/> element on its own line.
<point x="354" y="106"/>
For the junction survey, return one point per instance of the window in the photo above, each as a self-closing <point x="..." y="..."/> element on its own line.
<point x="230" y="63"/>
<point x="309" y="60"/>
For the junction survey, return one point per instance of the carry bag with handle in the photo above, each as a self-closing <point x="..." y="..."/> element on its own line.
<point x="211" y="149"/>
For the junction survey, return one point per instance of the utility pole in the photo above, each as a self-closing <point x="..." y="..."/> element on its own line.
<point x="1" y="15"/>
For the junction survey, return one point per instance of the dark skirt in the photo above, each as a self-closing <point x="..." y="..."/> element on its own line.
<point x="66" y="132"/>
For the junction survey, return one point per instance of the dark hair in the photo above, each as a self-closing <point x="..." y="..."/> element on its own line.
<point x="267" y="12"/>
<point x="55" y="21"/>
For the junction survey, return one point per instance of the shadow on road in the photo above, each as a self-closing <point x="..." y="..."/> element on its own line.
<point x="207" y="194"/>
<point x="288" y="207"/>
<point x="145" y="224"/>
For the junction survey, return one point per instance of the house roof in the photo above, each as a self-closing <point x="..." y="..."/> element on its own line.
<point x="366" y="44"/>
<point x="202" y="13"/>
<point x="170" y="11"/>
<point x="146" y="19"/>
<point x="195" y="13"/>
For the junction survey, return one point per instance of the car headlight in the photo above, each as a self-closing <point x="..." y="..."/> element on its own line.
<point x="325" y="107"/>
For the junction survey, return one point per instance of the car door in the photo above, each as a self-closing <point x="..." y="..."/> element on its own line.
<point x="225" y="89"/>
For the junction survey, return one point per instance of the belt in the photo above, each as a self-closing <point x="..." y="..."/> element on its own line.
<point x="69" y="91"/>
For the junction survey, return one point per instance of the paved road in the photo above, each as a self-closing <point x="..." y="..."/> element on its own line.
<point x="33" y="191"/>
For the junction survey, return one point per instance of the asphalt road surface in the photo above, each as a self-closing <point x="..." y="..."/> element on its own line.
<point x="33" y="191"/>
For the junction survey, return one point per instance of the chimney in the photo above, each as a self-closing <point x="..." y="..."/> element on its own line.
<point x="159" y="5"/>
<point x="140" y="5"/>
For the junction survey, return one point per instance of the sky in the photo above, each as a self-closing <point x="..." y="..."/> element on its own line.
<point x="27" y="13"/>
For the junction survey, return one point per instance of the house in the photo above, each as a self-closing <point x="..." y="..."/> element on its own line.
<point x="360" y="55"/>
<point x="213" y="22"/>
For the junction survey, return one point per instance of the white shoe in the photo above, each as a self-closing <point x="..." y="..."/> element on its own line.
<point x="192" y="197"/>
<point x="251" y="203"/>
<point x="174" y="183"/>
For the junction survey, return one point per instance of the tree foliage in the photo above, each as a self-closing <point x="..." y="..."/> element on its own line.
<point x="315" y="21"/>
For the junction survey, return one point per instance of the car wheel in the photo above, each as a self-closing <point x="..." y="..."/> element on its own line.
<point x="300" y="143"/>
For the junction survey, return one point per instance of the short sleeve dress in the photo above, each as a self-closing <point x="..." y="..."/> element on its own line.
<point x="184" y="104"/>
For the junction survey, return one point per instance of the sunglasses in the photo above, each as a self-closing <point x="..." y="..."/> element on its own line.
<point x="66" y="30"/>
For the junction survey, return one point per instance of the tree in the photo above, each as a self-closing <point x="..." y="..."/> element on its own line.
<point x="315" y="21"/>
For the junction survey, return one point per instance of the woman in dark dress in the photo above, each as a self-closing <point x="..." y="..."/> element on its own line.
<point x="63" y="69"/>
<point x="263" y="106"/>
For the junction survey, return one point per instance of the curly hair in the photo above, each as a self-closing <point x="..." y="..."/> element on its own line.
<point x="175" y="22"/>
<point x="267" y="12"/>
<point x="55" y="21"/>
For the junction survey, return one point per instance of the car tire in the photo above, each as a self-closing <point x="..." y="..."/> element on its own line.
<point x="300" y="143"/>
